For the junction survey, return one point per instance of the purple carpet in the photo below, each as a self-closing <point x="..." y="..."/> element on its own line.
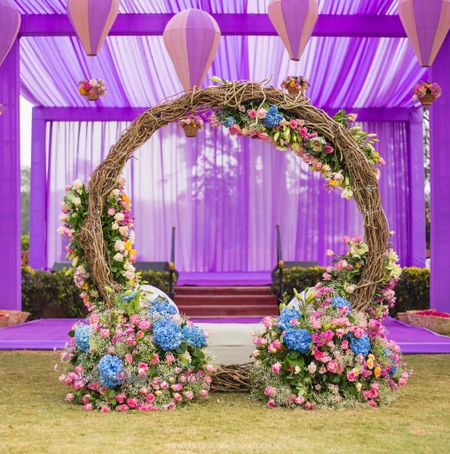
<point x="47" y="334"/>
<point x="225" y="279"/>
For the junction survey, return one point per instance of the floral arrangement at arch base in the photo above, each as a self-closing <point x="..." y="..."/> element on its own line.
<point x="427" y="92"/>
<point x="139" y="354"/>
<point x="321" y="353"/>
<point x="191" y="124"/>
<point x="92" y="89"/>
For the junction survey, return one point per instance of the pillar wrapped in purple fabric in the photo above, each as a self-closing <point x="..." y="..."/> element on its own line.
<point x="192" y="38"/>
<point x="9" y="27"/>
<point x="92" y="20"/>
<point x="426" y="23"/>
<point x="10" y="181"/>
<point x="294" y="22"/>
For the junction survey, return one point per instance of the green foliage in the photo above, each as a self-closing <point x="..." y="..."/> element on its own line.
<point x="25" y="199"/>
<point x="412" y="291"/>
<point x="54" y="294"/>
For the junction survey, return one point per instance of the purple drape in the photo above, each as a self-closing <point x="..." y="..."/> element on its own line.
<point x="225" y="195"/>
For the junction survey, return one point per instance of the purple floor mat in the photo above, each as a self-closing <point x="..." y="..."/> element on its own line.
<point x="225" y="279"/>
<point x="47" y="334"/>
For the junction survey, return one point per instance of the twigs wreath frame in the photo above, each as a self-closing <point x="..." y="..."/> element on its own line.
<point x="361" y="172"/>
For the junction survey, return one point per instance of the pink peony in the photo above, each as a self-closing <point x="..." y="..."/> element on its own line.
<point x="271" y="403"/>
<point x="144" y="325"/>
<point x="276" y="368"/>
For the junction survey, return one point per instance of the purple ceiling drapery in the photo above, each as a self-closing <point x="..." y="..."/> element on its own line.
<point x="225" y="195"/>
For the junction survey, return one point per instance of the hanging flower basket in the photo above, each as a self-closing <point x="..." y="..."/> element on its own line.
<point x="436" y="321"/>
<point x="296" y="85"/>
<point x="92" y="89"/>
<point x="11" y="318"/>
<point x="191" y="125"/>
<point x="427" y="92"/>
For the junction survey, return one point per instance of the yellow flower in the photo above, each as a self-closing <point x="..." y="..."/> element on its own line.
<point x="292" y="83"/>
<point x="370" y="363"/>
<point x="333" y="183"/>
<point x="128" y="245"/>
<point x="126" y="199"/>
<point x="377" y="371"/>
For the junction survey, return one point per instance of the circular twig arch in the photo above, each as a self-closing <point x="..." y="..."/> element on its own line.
<point x="362" y="173"/>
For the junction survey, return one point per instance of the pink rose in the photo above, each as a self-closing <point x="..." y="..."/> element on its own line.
<point x="293" y="123"/>
<point x="121" y="398"/>
<point x="344" y="345"/>
<point x="372" y="403"/>
<point x="276" y="368"/>
<point x="261" y="113"/>
<point x="88" y="407"/>
<point x="150" y="398"/>
<point x="105" y="409"/>
<point x="170" y="358"/>
<point x="312" y="368"/>
<point x="177" y="387"/>
<point x="134" y="319"/>
<point x="352" y="375"/>
<point x="209" y="368"/>
<point x="132" y="402"/>
<point x="155" y="359"/>
<point x="69" y="397"/>
<point x="122" y="407"/>
<point x="252" y="113"/>
<point x="267" y="322"/>
<point x="104" y="332"/>
<point x="270" y="391"/>
<point x="178" y="397"/>
<point x="332" y="366"/>
<point x="111" y="211"/>
<point x="189" y="395"/>
<point x="203" y="393"/>
<point x="164" y="385"/>
<point x="128" y="358"/>
<point x="144" y="325"/>
<point x="328" y="149"/>
<point x="309" y="406"/>
<point x="271" y="403"/>
<point x="358" y="332"/>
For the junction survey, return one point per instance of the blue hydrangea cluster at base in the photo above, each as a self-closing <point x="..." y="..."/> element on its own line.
<point x="167" y="335"/>
<point x="340" y="301"/>
<point x="286" y="315"/>
<point x="360" y="346"/>
<point x="194" y="336"/>
<point x="162" y="308"/>
<point x="298" y="340"/>
<point x="110" y="369"/>
<point x="82" y="334"/>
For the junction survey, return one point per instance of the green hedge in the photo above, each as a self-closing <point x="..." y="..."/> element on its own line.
<point x="413" y="288"/>
<point x="54" y="294"/>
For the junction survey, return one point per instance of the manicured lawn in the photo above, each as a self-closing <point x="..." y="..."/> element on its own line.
<point x="35" y="418"/>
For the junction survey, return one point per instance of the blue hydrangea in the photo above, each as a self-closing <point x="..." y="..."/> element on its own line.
<point x="340" y="301"/>
<point x="82" y="334"/>
<point x="110" y="368"/>
<point x="167" y="335"/>
<point x="162" y="309"/>
<point x="394" y="367"/>
<point x="228" y="122"/>
<point x="272" y="118"/>
<point x="298" y="340"/>
<point x="194" y="336"/>
<point x="286" y="315"/>
<point x="360" y="346"/>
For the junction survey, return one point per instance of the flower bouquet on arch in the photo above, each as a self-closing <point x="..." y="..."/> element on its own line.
<point x="296" y="85"/>
<point x="191" y="124"/>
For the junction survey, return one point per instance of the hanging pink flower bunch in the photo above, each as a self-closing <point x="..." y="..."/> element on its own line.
<point x="427" y="92"/>
<point x="296" y="85"/>
<point x="92" y="89"/>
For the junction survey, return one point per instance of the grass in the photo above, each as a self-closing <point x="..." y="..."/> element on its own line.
<point x="35" y="418"/>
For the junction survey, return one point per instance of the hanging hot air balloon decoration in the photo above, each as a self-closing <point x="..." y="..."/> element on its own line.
<point x="92" y="20"/>
<point x="294" y="22"/>
<point x="426" y="23"/>
<point x="191" y="38"/>
<point x="10" y="20"/>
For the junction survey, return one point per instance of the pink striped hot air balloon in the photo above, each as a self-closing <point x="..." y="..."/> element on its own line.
<point x="9" y="27"/>
<point x="92" y="20"/>
<point x="192" y="38"/>
<point x="426" y="23"/>
<point x="294" y="22"/>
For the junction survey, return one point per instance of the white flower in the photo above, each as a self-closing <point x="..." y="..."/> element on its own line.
<point x="77" y="184"/>
<point x="119" y="217"/>
<point x="93" y="82"/>
<point x="76" y="201"/>
<point x="123" y="230"/>
<point x="61" y="230"/>
<point x="129" y="274"/>
<point x="64" y="218"/>
<point x="347" y="193"/>
<point x="132" y="237"/>
<point x="115" y="226"/>
<point x="359" y="249"/>
<point x="119" y="246"/>
<point x="115" y="192"/>
<point x="118" y="257"/>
